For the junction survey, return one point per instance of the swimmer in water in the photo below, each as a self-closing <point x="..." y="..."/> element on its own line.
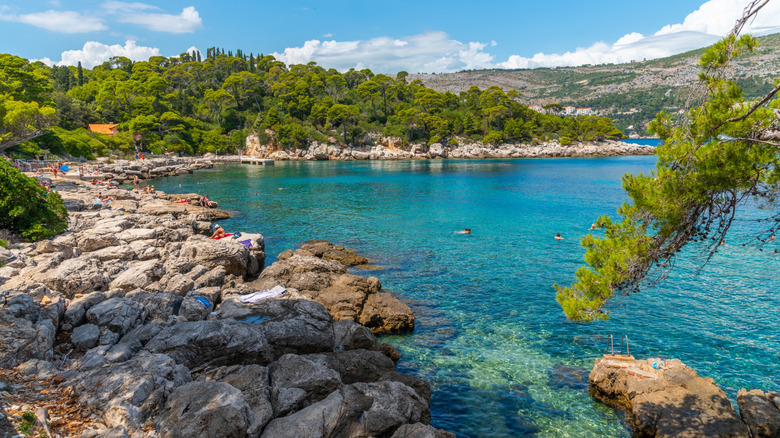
<point x="558" y="237"/>
<point x="466" y="231"/>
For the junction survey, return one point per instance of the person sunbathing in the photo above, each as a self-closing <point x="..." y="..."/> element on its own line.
<point x="219" y="232"/>
<point x="181" y="201"/>
<point x="204" y="202"/>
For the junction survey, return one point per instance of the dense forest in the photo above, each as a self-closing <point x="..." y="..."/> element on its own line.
<point x="190" y="105"/>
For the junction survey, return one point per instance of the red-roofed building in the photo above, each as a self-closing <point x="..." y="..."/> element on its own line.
<point x="107" y="129"/>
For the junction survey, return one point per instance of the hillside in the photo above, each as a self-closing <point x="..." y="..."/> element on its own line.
<point x="614" y="90"/>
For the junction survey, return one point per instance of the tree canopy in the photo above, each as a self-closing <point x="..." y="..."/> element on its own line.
<point x="188" y="105"/>
<point x="725" y="153"/>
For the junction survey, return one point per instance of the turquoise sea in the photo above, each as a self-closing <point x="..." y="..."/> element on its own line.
<point x="490" y="337"/>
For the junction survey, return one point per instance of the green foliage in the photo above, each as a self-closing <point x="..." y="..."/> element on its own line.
<point x="3" y="243"/>
<point x="565" y="141"/>
<point x="183" y="105"/>
<point x="26" y="208"/>
<point x="706" y="170"/>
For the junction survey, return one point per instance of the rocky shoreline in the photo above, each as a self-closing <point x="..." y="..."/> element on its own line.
<point x="666" y="398"/>
<point x="132" y="324"/>
<point x="395" y="149"/>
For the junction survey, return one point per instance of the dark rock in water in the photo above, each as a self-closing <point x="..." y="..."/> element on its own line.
<point x="420" y="386"/>
<point x="361" y="409"/>
<point x="205" y="409"/>
<point x="668" y="401"/>
<point x="253" y="382"/>
<point x="760" y="414"/>
<point x="350" y="335"/>
<point x="567" y="376"/>
<point x="356" y="365"/>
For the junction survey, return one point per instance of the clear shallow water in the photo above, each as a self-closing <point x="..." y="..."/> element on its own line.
<point x="490" y="337"/>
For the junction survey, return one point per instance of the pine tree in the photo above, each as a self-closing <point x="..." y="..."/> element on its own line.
<point x="80" y="75"/>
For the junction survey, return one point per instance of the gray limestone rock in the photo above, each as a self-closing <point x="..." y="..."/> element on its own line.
<point x="253" y="382"/>
<point x="205" y="409"/>
<point x="358" y="410"/>
<point x="290" y="372"/>
<point x="213" y="343"/>
<point x="120" y="315"/>
<point x="129" y="392"/>
<point x="85" y="337"/>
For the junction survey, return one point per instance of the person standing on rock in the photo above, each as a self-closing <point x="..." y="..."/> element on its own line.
<point x="135" y="182"/>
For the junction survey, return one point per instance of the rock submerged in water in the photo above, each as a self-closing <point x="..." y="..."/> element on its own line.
<point x="136" y="315"/>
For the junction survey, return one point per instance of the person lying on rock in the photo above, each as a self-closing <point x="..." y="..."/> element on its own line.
<point x="204" y="202"/>
<point x="219" y="232"/>
<point x="181" y="201"/>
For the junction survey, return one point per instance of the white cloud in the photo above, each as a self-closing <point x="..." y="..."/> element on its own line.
<point x="425" y="52"/>
<point x="704" y="26"/>
<point x="436" y="52"/>
<point x="59" y="21"/>
<point x="186" y="22"/>
<point x="94" y="53"/>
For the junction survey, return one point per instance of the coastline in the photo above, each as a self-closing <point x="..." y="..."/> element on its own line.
<point x="394" y="149"/>
<point x="130" y="323"/>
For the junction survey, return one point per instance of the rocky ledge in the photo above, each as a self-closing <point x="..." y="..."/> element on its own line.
<point x="669" y="399"/>
<point x="399" y="151"/>
<point x="133" y="317"/>
<point x="123" y="171"/>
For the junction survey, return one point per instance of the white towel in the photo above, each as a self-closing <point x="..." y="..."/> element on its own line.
<point x="261" y="295"/>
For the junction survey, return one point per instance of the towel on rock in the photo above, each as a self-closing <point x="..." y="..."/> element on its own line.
<point x="261" y="295"/>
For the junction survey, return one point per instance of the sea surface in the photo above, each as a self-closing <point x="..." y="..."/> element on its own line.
<point x="490" y="338"/>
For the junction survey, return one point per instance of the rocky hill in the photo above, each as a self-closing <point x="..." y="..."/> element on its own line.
<point x="630" y="94"/>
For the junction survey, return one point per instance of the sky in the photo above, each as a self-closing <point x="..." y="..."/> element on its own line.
<point x="431" y="36"/>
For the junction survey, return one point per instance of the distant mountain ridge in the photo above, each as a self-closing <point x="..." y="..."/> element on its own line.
<point x="613" y="90"/>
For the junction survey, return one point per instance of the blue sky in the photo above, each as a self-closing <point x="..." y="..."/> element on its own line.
<point x="416" y="36"/>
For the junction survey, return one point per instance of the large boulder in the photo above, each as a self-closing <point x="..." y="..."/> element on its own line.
<point x="205" y="409"/>
<point x="213" y="343"/>
<point x="760" y="413"/>
<point x="298" y="381"/>
<point x="139" y="275"/>
<point x="670" y="400"/>
<point x="358" y="410"/>
<point x="22" y="340"/>
<point x="253" y="382"/>
<point x="90" y="241"/>
<point x="383" y="313"/>
<point x="228" y="253"/>
<point x="290" y="326"/>
<point x="129" y="392"/>
<point x="120" y="315"/>
<point x="74" y="276"/>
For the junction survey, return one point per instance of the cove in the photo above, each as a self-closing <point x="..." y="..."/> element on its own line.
<point x="490" y="337"/>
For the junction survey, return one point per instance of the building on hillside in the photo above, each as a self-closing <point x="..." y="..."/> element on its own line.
<point x="585" y="112"/>
<point x="105" y="128"/>
<point x="537" y="108"/>
<point x="569" y="110"/>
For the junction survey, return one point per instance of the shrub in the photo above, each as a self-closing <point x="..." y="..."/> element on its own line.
<point x="565" y="141"/>
<point x="493" y="137"/>
<point x="25" y="207"/>
<point x="3" y="243"/>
